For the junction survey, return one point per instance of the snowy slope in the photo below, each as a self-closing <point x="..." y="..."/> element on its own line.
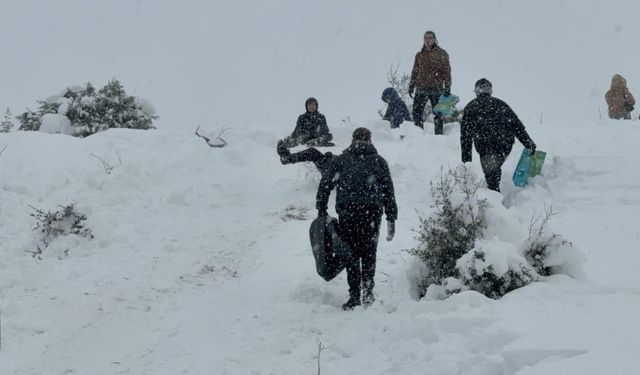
<point x="197" y="269"/>
<point x="200" y="262"/>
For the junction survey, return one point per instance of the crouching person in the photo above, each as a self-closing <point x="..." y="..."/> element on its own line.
<point x="397" y="111"/>
<point x="364" y="190"/>
<point x="311" y="128"/>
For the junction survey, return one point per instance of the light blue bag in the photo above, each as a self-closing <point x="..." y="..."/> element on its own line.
<point x="446" y="104"/>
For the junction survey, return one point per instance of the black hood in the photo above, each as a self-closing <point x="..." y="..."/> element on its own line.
<point x="361" y="149"/>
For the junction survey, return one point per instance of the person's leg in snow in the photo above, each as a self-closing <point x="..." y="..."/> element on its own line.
<point x="360" y="231"/>
<point x="419" y="102"/>
<point x="311" y="154"/>
<point x="438" y="121"/>
<point x="492" y="168"/>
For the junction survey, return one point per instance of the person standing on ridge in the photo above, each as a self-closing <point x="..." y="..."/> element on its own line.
<point x="430" y="78"/>
<point x="620" y="102"/>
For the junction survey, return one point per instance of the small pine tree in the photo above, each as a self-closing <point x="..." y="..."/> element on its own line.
<point x="53" y="224"/>
<point x="29" y="121"/>
<point x="90" y="111"/>
<point x="6" y="125"/>
<point x="453" y="229"/>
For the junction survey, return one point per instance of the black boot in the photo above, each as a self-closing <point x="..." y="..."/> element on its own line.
<point x="283" y="151"/>
<point x="367" y="296"/>
<point x="354" y="300"/>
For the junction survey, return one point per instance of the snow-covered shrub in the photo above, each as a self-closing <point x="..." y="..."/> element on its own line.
<point x="452" y="230"/>
<point x="51" y="225"/>
<point x="496" y="271"/>
<point x="550" y="253"/>
<point x="90" y="111"/>
<point x="6" y="124"/>
<point x="29" y="120"/>
<point x="472" y="242"/>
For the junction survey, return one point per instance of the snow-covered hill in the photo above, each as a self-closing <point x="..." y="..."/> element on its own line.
<point x="201" y="263"/>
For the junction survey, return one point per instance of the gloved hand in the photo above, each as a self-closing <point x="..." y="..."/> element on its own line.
<point x="391" y="229"/>
<point x="322" y="213"/>
<point x="411" y="88"/>
<point x="532" y="149"/>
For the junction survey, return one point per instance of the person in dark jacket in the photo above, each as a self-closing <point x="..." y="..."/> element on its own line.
<point x="397" y="111"/>
<point x="363" y="190"/>
<point x="311" y="154"/>
<point x="492" y="126"/>
<point x="311" y="128"/>
<point x="430" y="78"/>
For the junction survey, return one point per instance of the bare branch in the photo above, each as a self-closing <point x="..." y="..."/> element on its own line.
<point x="221" y="142"/>
<point x="37" y="252"/>
<point x="543" y="219"/>
<point x="4" y="148"/>
<point x="105" y="164"/>
<point x="548" y="214"/>
<point x="201" y="136"/>
<point x="321" y="348"/>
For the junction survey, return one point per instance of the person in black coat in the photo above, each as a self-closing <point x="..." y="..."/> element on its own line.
<point x="364" y="190"/>
<point x="492" y="126"/>
<point x="397" y="111"/>
<point x="311" y="128"/>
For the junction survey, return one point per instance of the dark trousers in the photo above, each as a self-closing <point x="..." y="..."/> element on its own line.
<point x="311" y="154"/>
<point x="420" y="101"/>
<point x="492" y="168"/>
<point x="359" y="228"/>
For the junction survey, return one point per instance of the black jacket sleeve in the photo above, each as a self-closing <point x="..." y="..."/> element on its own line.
<point x="327" y="183"/>
<point x="298" y="130"/>
<point x="518" y="129"/>
<point x="466" y="134"/>
<point x="388" y="192"/>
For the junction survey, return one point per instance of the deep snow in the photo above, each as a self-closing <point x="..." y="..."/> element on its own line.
<point x="199" y="265"/>
<point x="197" y="268"/>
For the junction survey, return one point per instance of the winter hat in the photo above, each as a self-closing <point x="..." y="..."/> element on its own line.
<point x="362" y="134"/>
<point x="310" y="100"/>
<point x="483" y="86"/>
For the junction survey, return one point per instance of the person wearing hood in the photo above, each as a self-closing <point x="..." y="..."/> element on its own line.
<point x="311" y="128"/>
<point x="364" y="190"/>
<point x="430" y="78"/>
<point x="492" y="126"/>
<point x="397" y="111"/>
<point x="620" y="102"/>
